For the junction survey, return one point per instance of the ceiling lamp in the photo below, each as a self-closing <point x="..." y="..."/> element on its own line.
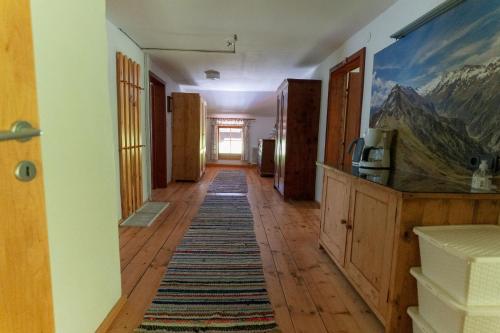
<point x="212" y="74"/>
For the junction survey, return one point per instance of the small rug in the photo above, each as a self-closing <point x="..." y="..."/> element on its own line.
<point x="146" y="215"/>
<point x="214" y="281"/>
<point x="229" y="181"/>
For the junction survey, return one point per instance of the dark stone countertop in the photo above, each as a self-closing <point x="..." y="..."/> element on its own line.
<point x="402" y="181"/>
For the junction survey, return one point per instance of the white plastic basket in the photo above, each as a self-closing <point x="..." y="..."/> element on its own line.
<point x="463" y="260"/>
<point x="445" y="315"/>
<point x="419" y="323"/>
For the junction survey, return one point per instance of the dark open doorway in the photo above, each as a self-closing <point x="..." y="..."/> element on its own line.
<point x="158" y="132"/>
<point x="345" y="99"/>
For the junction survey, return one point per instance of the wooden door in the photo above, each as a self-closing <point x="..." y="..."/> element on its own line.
<point x="335" y="214"/>
<point x="203" y="136"/>
<point x="345" y="99"/>
<point x="277" y="148"/>
<point x="25" y="286"/>
<point x="352" y="116"/>
<point x="370" y="243"/>
<point x="129" y="134"/>
<point x="158" y="132"/>
<point x="335" y="120"/>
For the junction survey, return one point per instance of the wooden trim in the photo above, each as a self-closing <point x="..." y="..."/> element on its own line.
<point x="249" y="165"/>
<point x="157" y="78"/>
<point x="106" y="324"/>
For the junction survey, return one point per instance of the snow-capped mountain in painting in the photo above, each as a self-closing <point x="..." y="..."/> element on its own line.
<point x="440" y="88"/>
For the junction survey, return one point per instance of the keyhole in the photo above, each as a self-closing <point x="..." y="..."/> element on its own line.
<point x="25" y="171"/>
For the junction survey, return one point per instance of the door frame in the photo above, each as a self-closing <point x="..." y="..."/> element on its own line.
<point x="342" y="69"/>
<point x="155" y="182"/>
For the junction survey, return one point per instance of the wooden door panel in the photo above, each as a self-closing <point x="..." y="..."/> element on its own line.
<point x="335" y="215"/>
<point x="335" y="120"/>
<point x="284" y="110"/>
<point x="352" y="117"/>
<point x="370" y="242"/>
<point x="25" y="283"/>
<point x="158" y="133"/>
<point x="277" y="148"/>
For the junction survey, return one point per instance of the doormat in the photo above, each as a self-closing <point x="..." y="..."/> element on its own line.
<point x="146" y="215"/>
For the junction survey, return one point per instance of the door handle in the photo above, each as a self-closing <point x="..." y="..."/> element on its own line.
<point x="21" y="131"/>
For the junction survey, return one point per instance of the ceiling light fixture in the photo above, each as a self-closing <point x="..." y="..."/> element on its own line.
<point x="212" y="74"/>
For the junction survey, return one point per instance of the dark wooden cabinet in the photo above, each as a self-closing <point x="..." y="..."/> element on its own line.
<point x="265" y="157"/>
<point x="297" y="121"/>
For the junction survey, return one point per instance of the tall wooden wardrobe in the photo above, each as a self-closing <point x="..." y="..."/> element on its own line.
<point x="188" y="137"/>
<point x="297" y="123"/>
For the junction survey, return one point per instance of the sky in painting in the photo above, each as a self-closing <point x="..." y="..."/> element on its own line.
<point x="469" y="34"/>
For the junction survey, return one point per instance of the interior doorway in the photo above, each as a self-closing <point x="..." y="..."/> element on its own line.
<point x="230" y="142"/>
<point x="345" y="99"/>
<point x="158" y="102"/>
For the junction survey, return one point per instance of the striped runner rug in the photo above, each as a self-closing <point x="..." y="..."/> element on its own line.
<point x="229" y="181"/>
<point x="214" y="281"/>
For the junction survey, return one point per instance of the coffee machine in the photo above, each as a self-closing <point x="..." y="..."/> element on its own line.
<point x="376" y="154"/>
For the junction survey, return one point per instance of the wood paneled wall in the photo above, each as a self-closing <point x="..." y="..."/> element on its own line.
<point x="129" y="134"/>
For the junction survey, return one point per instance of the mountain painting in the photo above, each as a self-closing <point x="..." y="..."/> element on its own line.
<point x="440" y="88"/>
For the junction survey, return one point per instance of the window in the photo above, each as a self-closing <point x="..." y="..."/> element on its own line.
<point x="230" y="142"/>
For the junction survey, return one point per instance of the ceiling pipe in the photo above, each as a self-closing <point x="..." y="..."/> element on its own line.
<point x="230" y="43"/>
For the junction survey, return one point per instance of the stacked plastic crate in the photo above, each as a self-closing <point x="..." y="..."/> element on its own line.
<point x="459" y="281"/>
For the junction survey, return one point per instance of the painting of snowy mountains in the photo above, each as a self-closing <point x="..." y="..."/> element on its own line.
<point x="440" y="88"/>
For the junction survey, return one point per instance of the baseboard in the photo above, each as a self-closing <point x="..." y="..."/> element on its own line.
<point x="231" y="165"/>
<point x="106" y="324"/>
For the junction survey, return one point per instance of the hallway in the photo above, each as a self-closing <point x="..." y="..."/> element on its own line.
<point x="307" y="291"/>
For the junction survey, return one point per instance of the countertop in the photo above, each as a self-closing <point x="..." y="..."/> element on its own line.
<point x="401" y="181"/>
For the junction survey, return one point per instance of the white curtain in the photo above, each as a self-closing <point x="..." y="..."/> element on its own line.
<point x="246" y="153"/>
<point x="213" y="143"/>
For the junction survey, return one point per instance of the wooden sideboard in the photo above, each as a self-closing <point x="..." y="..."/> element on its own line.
<point x="366" y="229"/>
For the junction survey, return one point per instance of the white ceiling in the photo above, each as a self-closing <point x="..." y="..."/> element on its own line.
<point x="276" y="39"/>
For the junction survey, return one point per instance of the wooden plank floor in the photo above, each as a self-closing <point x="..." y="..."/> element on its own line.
<point x="308" y="293"/>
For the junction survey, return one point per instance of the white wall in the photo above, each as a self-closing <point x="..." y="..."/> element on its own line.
<point x="260" y="129"/>
<point x="375" y="36"/>
<point x="119" y="42"/>
<point x="80" y="173"/>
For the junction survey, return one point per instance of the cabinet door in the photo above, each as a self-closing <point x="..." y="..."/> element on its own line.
<point x="370" y="243"/>
<point x="277" y="148"/>
<point x="284" y="110"/>
<point x="334" y="214"/>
